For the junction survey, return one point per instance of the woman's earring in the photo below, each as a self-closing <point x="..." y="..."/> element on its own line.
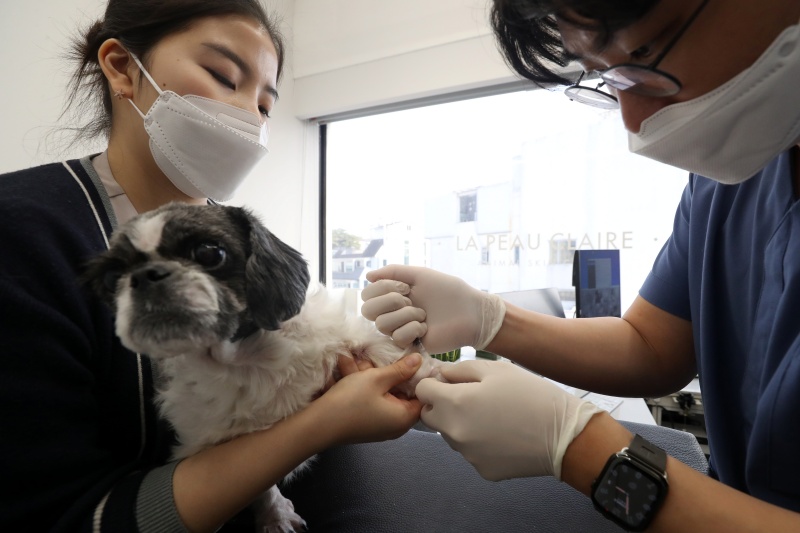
<point x="119" y="93"/>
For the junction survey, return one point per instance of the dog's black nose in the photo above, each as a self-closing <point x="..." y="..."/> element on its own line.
<point x="143" y="277"/>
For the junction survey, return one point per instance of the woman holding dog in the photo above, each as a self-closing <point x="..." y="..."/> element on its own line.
<point x="711" y="87"/>
<point x="83" y="447"/>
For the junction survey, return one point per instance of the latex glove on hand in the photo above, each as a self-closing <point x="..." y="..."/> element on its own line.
<point x="505" y="420"/>
<point x="443" y="311"/>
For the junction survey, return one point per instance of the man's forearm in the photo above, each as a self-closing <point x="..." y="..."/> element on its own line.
<point x="694" y="502"/>
<point x="606" y="355"/>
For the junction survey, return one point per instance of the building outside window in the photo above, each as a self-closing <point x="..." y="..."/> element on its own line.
<point x="485" y="255"/>
<point x="562" y="251"/>
<point x="468" y="207"/>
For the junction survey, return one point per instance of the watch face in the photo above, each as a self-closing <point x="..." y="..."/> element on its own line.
<point x="628" y="494"/>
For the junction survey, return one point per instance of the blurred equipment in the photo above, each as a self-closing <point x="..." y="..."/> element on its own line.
<point x="682" y="410"/>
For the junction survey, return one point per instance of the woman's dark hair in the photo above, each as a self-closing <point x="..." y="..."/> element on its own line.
<point x="529" y="39"/>
<point x="140" y="25"/>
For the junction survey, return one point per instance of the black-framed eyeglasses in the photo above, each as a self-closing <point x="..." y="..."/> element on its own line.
<point x="645" y="80"/>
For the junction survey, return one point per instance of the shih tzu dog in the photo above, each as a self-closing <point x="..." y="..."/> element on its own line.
<point x="239" y="339"/>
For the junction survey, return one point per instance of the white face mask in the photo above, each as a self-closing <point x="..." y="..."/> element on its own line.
<point x="731" y="133"/>
<point x="206" y="148"/>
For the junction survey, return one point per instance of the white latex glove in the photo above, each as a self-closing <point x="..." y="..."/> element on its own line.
<point x="443" y="311"/>
<point x="505" y="420"/>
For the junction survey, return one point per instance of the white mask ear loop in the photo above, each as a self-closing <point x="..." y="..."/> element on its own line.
<point x="150" y="79"/>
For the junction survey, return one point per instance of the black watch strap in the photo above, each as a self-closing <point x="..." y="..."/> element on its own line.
<point x="648" y="453"/>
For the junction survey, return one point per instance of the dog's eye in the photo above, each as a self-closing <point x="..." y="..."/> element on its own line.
<point x="209" y="254"/>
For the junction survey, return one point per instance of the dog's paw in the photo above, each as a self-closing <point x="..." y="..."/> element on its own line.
<point x="278" y="516"/>
<point x="293" y="526"/>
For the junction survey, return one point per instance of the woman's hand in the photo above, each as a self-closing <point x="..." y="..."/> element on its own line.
<point x="346" y="366"/>
<point x="360" y="406"/>
<point x="351" y="365"/>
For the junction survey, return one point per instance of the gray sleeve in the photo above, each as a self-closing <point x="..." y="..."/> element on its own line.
<point x="155" y="503"/>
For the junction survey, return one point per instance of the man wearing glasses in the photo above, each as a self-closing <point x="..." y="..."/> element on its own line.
<point x="710" y="86"/>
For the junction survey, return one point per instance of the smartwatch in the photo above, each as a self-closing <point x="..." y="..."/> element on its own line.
<point x="632" y="485"/>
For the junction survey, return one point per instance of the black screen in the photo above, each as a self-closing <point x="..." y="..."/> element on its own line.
<point x="628" y="494"/>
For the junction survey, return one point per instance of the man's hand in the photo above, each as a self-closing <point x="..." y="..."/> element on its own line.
<point x="505" y="420"/>
<point x="443" y="311"/>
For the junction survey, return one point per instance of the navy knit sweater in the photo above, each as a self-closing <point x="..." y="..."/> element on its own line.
<point x="81" y="446"/>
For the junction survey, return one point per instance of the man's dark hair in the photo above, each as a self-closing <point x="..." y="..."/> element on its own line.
<point x="528" y="36"/>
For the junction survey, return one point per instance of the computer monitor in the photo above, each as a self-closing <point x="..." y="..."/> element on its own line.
<point x="596" y="277"/>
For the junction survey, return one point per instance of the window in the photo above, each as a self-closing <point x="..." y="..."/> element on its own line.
<point x="562" y="251"/>
<point x="550" y="177"/>
<point x="468" y="207"/>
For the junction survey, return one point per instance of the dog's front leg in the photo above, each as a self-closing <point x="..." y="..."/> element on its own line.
<point x="275" y="514"/>
<point x="430" y="368"/>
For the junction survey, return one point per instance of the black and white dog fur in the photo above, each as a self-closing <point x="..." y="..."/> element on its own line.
<point x="239" y="339"/>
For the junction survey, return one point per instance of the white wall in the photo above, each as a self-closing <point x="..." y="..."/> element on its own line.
<point x="35" y="37"/>
<point x="355" y="54"/>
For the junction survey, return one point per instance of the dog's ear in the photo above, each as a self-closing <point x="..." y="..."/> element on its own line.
<point x="276" y="276"/>
<point x="93" y="276"/>
<point x="101" y="274"/>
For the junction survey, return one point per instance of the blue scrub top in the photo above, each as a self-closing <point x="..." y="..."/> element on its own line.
<point x="732" y="267"/>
